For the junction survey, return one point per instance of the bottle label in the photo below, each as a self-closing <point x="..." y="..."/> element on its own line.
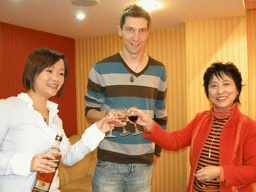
<point x="42" y="186"/>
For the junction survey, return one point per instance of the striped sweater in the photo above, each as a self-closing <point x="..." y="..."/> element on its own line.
<point x="109" y="87"/>
<point x="210" y="156"/>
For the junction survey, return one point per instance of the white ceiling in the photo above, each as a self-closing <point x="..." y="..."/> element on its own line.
<point x="58" y="16"/>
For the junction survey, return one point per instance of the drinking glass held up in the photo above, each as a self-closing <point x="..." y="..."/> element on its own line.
<point x="133" y="116"/>
<point x="122" y="116"/>
<point x="111" y="115"/>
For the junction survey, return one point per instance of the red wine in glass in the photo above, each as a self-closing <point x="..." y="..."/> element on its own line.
<point x="133" y="118"/>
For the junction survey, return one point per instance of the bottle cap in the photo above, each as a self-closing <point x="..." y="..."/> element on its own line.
<point x="58" y="138"/>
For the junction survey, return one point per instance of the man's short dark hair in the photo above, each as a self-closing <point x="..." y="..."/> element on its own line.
<point x="134" y="11"/>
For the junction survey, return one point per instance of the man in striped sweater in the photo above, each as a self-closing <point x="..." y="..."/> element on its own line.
<point x="127" y="79"/>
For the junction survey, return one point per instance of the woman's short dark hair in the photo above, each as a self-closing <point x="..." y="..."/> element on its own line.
<point x="218" y="69"/>
<point x="134" y="11"/>
<point x="39" y="60"/>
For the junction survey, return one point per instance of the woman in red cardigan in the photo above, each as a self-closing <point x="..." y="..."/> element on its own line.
<point x="222" y="140"/>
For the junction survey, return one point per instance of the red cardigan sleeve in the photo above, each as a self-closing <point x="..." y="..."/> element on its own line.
<point x="170" y="141"/>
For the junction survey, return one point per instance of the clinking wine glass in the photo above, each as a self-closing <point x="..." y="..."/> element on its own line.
<point x="122" y="116"/>
<point x="133" y="117"/>
<point x="111" y="121"/>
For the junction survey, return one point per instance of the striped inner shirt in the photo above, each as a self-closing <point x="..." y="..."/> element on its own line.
<point x="210" y="156"/>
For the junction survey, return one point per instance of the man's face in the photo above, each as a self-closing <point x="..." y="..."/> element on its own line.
<point x="134" y="34"/>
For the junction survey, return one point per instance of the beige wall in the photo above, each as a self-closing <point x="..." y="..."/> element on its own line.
<point x="251" y="39"/>
<point x="209" y="41"/>
<point x="250" y="6"/>
<point x="186" y="53"/>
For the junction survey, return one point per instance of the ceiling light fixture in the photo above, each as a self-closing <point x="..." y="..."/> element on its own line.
<point x="85" y="3"/>
<point x="80" y="16"/>
<point x="150" y="5"/>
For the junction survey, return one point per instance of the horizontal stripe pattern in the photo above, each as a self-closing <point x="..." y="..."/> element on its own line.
<point x="210" y="156"/>
<point x="109" y="87"/>
<point x="106" y="155"/>
<point x="127" y="149"/>
<point x="109" y="79"/>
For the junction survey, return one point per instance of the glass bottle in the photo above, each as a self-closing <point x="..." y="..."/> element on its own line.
<point x="44" y="180"/>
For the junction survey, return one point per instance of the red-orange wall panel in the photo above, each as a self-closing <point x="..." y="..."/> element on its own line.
<point x="16" y="43"/>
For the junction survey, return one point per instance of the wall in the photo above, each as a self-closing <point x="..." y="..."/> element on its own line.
<point x="186" y="53"/>
<point x="251" y="39"/>
<point x="209" y="41"/>
<point x="250" y="7"/>
<point x="16" y="43"/>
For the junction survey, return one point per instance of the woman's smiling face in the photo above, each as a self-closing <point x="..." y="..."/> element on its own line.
<point x="222" y="91"/>
<point x="50" y="80"/>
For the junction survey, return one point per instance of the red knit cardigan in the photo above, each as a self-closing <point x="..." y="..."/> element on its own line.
<point x="237" y="147"/>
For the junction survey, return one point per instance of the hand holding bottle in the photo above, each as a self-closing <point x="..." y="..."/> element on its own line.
<point x="44" y="179"/>
<point x="43" y="163"/>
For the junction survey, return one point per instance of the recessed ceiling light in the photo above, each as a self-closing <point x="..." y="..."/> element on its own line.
<point x="80" y="16"/>
<point x="150" y="5"/>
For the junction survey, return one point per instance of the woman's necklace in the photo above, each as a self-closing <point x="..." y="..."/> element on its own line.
<point x="214" y="138"/>
<point x="212" y="142"/>
<point x="44" y="118"/>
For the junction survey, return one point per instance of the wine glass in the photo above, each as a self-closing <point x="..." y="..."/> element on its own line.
<point x="122" y="116"/>
<point x="133" y="116"/>
<point x="111" y="115"/>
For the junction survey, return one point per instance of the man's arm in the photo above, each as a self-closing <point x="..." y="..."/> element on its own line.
<point x="94" y="115"/>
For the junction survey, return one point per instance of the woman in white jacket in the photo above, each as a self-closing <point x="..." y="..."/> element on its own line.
<point x="29" y="124"/>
